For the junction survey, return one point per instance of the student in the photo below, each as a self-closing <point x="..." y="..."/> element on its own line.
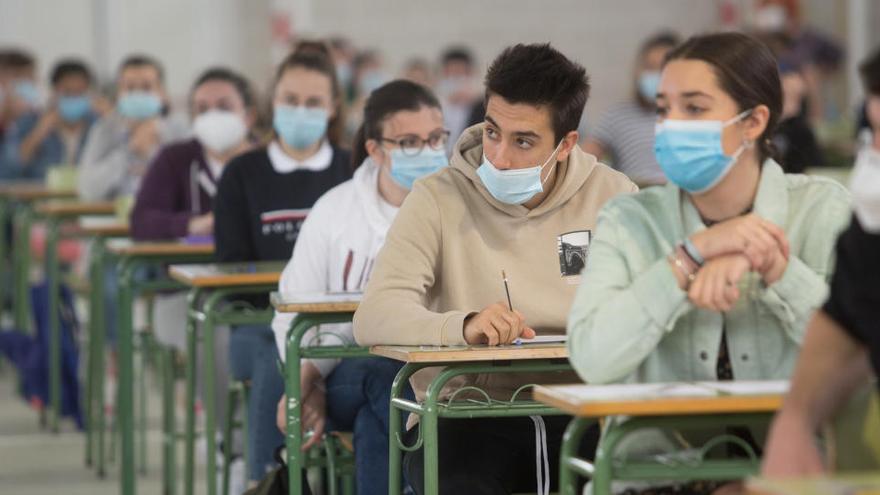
<point x="518" y="187"/>
<point x="626" y="130"/>
<point x="718" y="271"/>
<point x="176" y="197"/>
<point x="795" y="140"/>
<point x="120" y="145"/>
<point x="177" y="194"/>
<point x="18" y="86"/>
<point x="457" y="89"/>
<point x="38" y="140"/>
<point x="402" y="140"/>
<point x="262" y="200"/>
<point x="843" y="336"/>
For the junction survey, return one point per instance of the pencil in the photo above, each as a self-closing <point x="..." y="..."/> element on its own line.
<point x="506" y="289"/>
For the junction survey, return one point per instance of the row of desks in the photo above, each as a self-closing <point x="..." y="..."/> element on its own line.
<point x="211" y="285"/>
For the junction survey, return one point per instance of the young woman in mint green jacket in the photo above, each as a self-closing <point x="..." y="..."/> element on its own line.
<point x="713" y="276"/>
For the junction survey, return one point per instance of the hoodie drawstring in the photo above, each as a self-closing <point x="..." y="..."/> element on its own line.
<point x="541" y="456"/>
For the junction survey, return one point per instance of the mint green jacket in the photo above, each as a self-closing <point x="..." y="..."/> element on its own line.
<point x="630" y="321"/>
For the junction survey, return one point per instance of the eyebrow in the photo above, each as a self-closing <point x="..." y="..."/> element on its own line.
<point x="689" y="94"/>
<point x="413" y="134"/>
<point x="528" y="134"/>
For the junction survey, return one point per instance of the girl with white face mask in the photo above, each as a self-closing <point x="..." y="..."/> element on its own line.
<point x="713" y="276"/>
<point x="177" y="193"/>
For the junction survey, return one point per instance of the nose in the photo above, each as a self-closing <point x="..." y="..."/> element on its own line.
<point x="499" y="156"/>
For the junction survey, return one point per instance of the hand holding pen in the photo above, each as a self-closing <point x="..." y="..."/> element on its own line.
<point x="497" y="324"/>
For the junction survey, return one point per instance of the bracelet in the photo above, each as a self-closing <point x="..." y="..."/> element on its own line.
<point x="692" y="252"/>
<point x="689" y="272"/>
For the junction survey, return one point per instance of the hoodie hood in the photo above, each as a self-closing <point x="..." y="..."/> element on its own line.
<point x="378" y="213"/>
<point x="467" y="156"/>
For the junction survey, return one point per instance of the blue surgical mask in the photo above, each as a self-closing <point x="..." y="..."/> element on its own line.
<point x="649" y="81"/>
<point x="690" y="152"/>
<point x="74" y="108"/>
<point x="300" y="127"/>
<point x="406" y="169"/>
<point x="514" y="186"/>
<point x="139" y="105"/>
<point x="27" y="92"/>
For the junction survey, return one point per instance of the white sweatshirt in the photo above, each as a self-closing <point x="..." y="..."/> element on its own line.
<point x="335" y="251"/>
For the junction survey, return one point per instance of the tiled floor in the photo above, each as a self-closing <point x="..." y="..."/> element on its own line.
<point x="33" y="461"/>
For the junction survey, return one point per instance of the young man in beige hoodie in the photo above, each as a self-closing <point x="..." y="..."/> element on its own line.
<point x="519" y="196"/>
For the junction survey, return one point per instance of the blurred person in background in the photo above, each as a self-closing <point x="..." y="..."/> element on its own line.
<point x="18" y="86"/>
<point x="625" y="131"/>
<point x="39" y="139"/>
<point x="458" y="90"/>
<point x="121" y="144"/>
<point x="418" y="70"/>
<point x="368" y="74"/>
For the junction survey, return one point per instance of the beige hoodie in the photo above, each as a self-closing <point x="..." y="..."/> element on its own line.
<point x="444" y="253"/>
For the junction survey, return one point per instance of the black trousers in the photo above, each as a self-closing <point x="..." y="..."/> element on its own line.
<point x="492" y="455"/>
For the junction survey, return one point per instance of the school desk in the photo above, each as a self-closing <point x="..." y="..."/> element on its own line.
<point x="133" y="257"/>
<point x="97" y="233"/>
<point x="313" y="310"/>
<point x="213" y="288"/>
<point x="667" y="406"/>
<point x="57" y="213"/>
<point x="456" y="361"/>
<point x="16" y="203"/>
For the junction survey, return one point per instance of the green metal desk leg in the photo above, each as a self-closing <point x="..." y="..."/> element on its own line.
<point x="210" y="309"/>
<point x="4" y="263"/>
<point x="53" y="278"/>
<point x="100" y="327"/>
<point x="22" y="268"/>
<point x="192" y="338"/>
<point x="568" y="477"/>
<point x="293" y="440"/>
<point x="125" y="345"/>
<point x="169" y="432"/>
<point x="396" y="430"/>
<point x="90" y="365"/>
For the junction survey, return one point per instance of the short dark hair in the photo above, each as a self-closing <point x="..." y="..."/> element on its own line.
<point x="140" y="60"/>
<point x="69" y="67"/>
<point x="397" y="96"/>
<point x="540" y="75"/>
<point x="314" y="55"/>
<point x="746" y="70"/>
<point x="457" y="54"/>
<point x="14" y="58"/>
<point x="870" y="72"/>
<point x="241" y="85"/>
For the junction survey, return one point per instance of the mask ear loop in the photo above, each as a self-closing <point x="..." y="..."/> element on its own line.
<point x="555" y="151"/>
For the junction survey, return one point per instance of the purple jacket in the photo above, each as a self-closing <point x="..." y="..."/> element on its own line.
<point x="178" y="186"/>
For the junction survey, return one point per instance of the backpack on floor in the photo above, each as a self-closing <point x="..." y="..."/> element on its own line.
<point x="30" y="353"/>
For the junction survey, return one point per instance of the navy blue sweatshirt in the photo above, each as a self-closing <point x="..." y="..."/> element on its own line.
<point x="258" y="211"/>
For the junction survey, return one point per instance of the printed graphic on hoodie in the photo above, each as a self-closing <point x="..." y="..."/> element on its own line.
<point x="355" y="272"/>
<point x="283" y="222"/>
<point x="573" y="248"/>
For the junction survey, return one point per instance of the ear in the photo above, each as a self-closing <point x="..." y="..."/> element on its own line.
<point x="250" y="117"/>
<point x="376" y="152"/>
<point x="568" y="143"/>
<point x="756" y="122"/>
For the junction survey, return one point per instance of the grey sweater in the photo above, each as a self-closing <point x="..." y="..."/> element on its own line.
<point x="107" y="168"/>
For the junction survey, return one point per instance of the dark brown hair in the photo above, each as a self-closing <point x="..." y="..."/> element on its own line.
<point x="869" y="69"/>
<point x="540" y="75"/>
<point x="397" y="96"/>
<point x="315" y="56"/>
<point x="746" y="70"/>
<point x="663" y="39"/>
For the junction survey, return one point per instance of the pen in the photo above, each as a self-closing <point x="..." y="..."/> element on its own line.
<point x="516" y="341"/>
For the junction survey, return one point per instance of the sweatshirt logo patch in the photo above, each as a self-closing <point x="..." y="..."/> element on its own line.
<point x="283" y="222"/>
<point x="573" y="248"/>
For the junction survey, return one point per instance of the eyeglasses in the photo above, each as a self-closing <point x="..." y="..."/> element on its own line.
<point x="413" y="145"/>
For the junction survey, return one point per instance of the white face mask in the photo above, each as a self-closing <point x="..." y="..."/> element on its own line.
<point x="219" y="130"/>
<point x="865" y="187"/>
